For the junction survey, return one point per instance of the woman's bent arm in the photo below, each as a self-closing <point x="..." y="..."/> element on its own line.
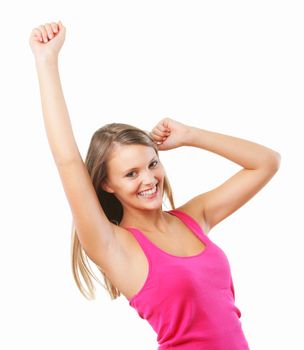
<point x="259" y="164"/>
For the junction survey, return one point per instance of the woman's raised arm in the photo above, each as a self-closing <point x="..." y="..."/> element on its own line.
<point x="56" y="118"/>
<point x="96" y="233"/>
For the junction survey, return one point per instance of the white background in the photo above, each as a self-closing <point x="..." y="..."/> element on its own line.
<point x="234" y="67"/>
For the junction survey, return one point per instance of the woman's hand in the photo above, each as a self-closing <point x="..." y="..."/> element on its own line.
<point x="169" y="134"/>
<point x="47" y="40"/>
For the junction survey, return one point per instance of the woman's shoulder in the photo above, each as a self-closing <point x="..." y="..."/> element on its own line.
<point x="191" y="210"/>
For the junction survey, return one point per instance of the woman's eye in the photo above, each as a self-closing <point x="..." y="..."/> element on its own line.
<point x="128" y="175"/>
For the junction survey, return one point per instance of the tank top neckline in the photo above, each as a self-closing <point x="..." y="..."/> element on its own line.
<point x="201" y="236"/>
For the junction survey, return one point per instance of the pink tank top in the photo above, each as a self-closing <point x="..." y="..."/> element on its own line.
<point x="189" y="300"/>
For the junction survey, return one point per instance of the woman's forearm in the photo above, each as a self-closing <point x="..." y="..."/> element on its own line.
<point x="248" y="154"/>
<point x="55" y="113"/>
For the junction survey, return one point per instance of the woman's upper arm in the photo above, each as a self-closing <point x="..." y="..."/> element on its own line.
<point x="217" y="204"/>
<point x="95" y="232"/>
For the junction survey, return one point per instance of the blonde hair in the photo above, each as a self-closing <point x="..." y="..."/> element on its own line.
<point x="102" y="143"/>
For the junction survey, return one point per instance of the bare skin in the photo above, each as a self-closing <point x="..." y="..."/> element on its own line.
<point x="113" y="247"/>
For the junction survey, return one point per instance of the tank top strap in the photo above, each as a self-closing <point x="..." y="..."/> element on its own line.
<point x="147" y="246"/>
<point x="190" y="222"/>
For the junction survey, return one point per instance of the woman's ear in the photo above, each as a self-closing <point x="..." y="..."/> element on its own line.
<point x="106" y="187"/>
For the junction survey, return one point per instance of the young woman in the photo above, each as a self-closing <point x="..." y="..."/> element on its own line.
<point x="163" y="262"/>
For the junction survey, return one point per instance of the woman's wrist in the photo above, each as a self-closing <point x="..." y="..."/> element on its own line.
<point x="189" y="135"/>
<point x="48" y="59"/>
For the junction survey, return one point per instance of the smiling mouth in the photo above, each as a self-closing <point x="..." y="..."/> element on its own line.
<point x="150" y="192"/>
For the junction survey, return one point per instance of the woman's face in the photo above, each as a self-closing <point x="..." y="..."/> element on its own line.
<point x="133" y="169"/>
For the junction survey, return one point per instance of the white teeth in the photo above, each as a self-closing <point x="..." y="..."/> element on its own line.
<point x="148" y="193"/>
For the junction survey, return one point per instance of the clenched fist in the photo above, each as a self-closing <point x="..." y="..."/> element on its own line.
<point x="46" y="40"/>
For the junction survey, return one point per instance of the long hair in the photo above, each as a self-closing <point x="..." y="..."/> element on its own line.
<point x="102" y="143"/>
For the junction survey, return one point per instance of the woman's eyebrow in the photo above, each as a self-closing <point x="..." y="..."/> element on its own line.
<point x="135" y="168"/>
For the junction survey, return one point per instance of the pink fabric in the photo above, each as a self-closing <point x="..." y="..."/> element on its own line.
<point x="189" y="301"/>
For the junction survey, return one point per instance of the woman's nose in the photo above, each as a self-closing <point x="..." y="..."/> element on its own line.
<point x="148" y="179"/>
